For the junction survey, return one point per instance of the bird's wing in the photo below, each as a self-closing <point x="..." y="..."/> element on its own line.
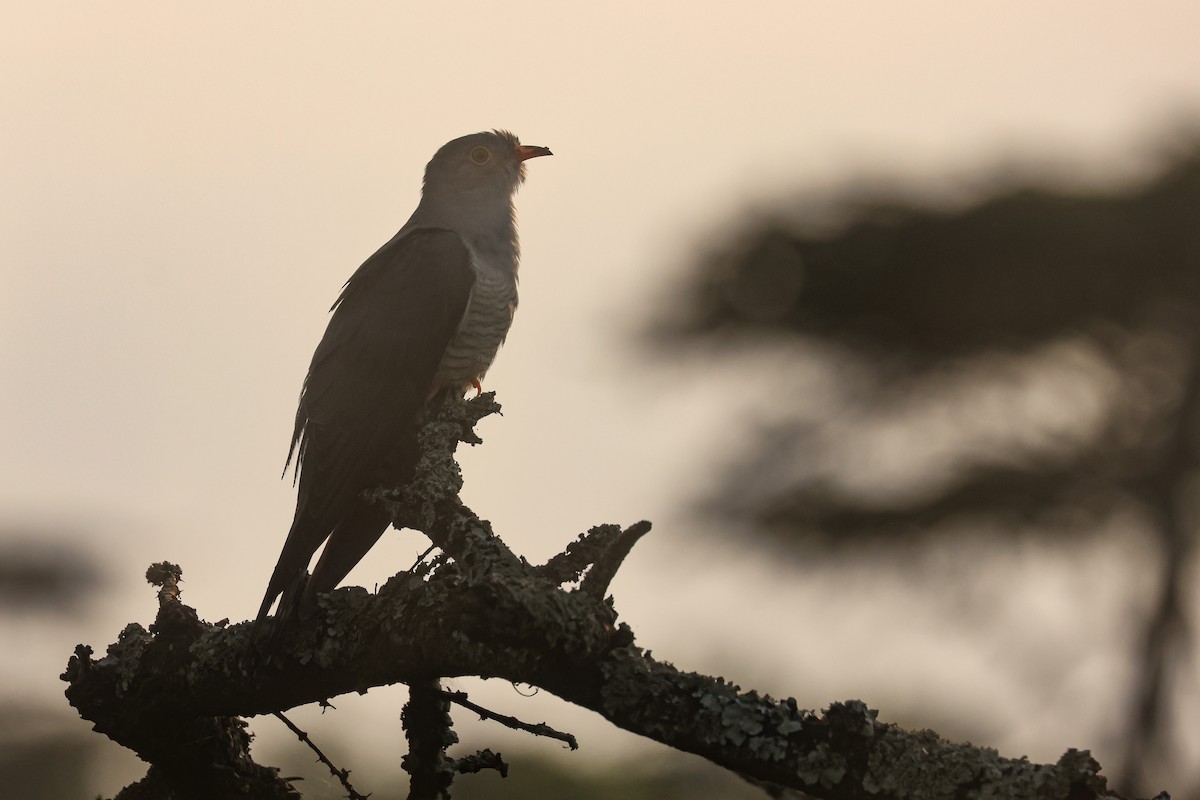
<point x="369" y="377"/>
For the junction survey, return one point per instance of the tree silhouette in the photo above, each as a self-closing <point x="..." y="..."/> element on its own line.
<point x="1056" y="337"/>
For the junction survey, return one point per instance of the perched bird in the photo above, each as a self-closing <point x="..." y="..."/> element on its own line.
<point x="426" y="313"/>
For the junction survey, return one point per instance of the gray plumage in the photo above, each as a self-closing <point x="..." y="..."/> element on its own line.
<point x="426" y="313"/>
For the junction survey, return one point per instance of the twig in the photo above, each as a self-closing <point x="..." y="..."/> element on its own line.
<point x="580" y="554"/>
<point x="484" y="759"/>
<point x="342" y="775"/>
<point x="174" y="619"/>
<point x="540" y="729"/>
<point x="166" y="576"/>
<point x="595" y="583"/>
<point x="421" y="558"/>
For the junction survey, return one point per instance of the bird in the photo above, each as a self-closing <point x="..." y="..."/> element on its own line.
<point x="425" y="314"/>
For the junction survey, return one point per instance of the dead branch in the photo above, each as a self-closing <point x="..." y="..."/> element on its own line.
<point x="483" y="611"/>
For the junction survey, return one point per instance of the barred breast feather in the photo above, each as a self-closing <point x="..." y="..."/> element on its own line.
<point x="485" y="324"/>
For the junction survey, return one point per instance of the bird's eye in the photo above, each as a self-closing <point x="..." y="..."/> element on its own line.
<point x="481" y="155"/>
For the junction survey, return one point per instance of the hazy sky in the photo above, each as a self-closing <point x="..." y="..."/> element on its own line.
<point x="185" y="188"/>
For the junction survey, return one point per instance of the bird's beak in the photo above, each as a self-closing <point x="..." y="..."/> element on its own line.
<point x="528" y="151"/>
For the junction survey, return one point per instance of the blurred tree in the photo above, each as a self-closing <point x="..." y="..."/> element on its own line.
<point x="1045" y="345"/>
<point x="43" y="752"/>
<point x="43" y="571"/>
<point x="42" y="758"/>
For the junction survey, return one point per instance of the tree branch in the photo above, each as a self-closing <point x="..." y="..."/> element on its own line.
<point x="427" y="724"/>
<point x="484" y="611"/>
<point x="539" y="729"/>
<point x="343" y="775"/>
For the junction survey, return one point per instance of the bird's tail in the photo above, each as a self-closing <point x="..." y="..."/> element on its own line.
<point x="349" y="542"/>
<point x="288" y="583"/>
<point x="291" y="571"/>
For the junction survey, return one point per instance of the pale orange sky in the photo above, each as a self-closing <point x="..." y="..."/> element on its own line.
<point x="186" y="187"/>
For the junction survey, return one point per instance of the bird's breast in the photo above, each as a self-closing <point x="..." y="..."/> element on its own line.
<point x="485" y="324"/>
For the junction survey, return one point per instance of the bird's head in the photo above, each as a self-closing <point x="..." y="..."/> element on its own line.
<point x="485" y="164"/>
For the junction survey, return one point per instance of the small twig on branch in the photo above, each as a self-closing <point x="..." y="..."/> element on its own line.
<point x="595" y="583"/>
<point x="540" y="729"/>
<point x="580" y="554"/>
<point x="421" y="558"/>
<point x="342" y="775"/>
<point x="166" y="576"/>
<point x="182" y="621"/>
<point x="602" y="548"/>
<point x="484" y="759"/>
